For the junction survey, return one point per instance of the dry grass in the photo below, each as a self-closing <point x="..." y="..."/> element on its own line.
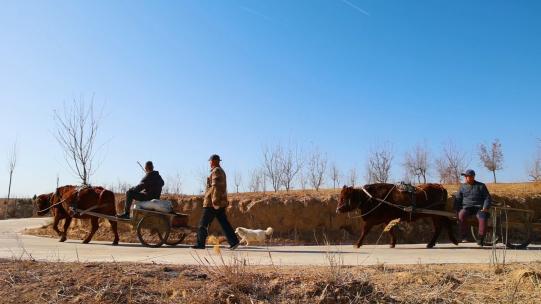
<point x="231" y="282"/>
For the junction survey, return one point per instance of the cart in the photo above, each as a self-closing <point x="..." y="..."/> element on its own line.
<point x="154" y="228"/>
<point x="510" y="226"/>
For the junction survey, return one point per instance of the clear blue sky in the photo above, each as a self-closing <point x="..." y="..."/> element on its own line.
<point x="181" y="80"/>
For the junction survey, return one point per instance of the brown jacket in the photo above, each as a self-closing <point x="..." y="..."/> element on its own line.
<point x="216" y="193"/>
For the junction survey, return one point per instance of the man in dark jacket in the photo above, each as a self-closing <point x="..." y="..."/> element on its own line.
<point x="148" y="189"/>
<point x="472" y="199"/>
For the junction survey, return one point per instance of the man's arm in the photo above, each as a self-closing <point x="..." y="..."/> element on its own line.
<point x="141" y="186"/>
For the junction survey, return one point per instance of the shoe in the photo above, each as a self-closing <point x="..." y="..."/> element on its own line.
<point x="464" y="240"/>
<point x="197" y="247"/>
<point x="233" y="247"/>
<point x="125" y="216"/>
<point x="481" y="241"/>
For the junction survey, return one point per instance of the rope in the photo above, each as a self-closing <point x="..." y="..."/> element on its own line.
<point x="43" y="210"/>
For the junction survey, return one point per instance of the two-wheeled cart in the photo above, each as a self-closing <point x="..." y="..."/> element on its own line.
<point x="154" y="228"/>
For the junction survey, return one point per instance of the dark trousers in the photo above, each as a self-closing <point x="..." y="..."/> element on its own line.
<point x="482" y="217"/>
<point x="134" y="195"/>
<point x="208" y="216"/>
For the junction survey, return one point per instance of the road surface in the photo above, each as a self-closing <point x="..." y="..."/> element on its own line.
<point x="13" y="244"/>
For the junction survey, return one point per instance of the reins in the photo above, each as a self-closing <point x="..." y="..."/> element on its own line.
<point x="370" y="197"/>
<point x="56" y="204"/>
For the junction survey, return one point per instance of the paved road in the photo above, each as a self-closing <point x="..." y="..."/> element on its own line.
<point x="15" y="245"/>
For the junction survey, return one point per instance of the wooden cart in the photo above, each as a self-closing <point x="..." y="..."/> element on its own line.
<point x="154" y="228"/>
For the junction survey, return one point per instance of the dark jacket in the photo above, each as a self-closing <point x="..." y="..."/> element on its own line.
<point x="151" y="184"/>
<point x="475" y="195"/>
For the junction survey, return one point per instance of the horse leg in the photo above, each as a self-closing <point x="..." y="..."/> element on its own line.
<point x="93" y="229"/>
<point x="114" y="228"/>
<point x="365" y="228"/>
<point x="436" y="223"/>
<point x="56" y="220"/>
<point x="392" y="232"/>
<point x="450" y="232"/>
<point x="64" y="235"/>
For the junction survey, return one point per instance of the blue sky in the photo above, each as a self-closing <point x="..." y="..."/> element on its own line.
<point x="182" y="80"/>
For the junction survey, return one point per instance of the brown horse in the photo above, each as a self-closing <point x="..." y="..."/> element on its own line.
<point x="69" y="199"/>
<point x="375" y="212"/>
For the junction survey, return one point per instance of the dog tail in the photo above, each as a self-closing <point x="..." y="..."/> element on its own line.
<point x="269" y="231"/>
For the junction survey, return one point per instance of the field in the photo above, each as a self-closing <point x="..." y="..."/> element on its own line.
<point x="234" y="282"/>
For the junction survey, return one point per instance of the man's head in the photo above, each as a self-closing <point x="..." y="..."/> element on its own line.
<point x="149" y="166"/>
<point x="469" y="176"/>
<point x="214" y="160"/>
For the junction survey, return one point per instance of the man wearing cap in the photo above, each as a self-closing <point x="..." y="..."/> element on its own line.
<point x="148" y="189"/>
<point x="472" y="199"/>
<point x="214" y="204"/>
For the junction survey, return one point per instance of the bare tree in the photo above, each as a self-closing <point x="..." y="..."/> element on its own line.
<point x="335" y="175"/>
<point x="174" y="184"/>
<point x="290" y="166"/>
<point x="492" y="158"/>
<point x="353" y="177"/>
<point x="534" y="172"/>
<point x="416" y="163"/>
<point x="237" y="180"/>
<point x="317" y="166"/>
<point x="534" y="168"/>
<point x="256" y="181"/>
<point x="378" y="169"/>
<point x="303" y="179"/>
<point x="451" y="164"/>
<point x="77" y="129"/>
<point x="272" y="164"/>
<point x="12" y="163"/>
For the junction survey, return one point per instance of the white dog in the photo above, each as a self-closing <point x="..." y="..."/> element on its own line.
<point x="253" y="235"/>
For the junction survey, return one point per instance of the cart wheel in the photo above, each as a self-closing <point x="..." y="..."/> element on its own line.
<point x="490" y="239"/>
<point x="153" y="231"/>
<point x="518" y="236"/>
<point x="176" y="236"/>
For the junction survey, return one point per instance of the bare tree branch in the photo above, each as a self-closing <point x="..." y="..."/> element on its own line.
<point x="416" y="163"/>
<point x="492" y="158"/>
<point x="272" y="164"/>
<point x="256" y="181"/>
<point x="378" y="168"/>
<point x="290" y="166"/>
<point x="77" y="130"/>
<point x="451" y="164"/>
<point x="335" y="175"/>
<point x="353" y="177"/>
<point x="317" y="166"/>
<point x="237" y="180"/>
<point x="12" y="163"/>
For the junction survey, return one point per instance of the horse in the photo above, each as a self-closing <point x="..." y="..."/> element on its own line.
<point x="67" y="200"/>
<point x="377" y="204"/>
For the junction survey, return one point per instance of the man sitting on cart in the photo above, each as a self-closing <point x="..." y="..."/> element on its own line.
<point x="472" y="199"/>
<point x="148" y="189"/>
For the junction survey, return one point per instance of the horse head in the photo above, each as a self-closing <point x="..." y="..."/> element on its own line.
<point x="349" y="200"/>
<point x="42" y="202"/>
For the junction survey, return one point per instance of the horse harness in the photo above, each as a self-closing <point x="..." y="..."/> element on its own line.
<point x="409" y="209"/>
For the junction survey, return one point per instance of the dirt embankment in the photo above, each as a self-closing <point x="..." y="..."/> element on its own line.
<point x="309" y="217"/>
<point x="234" y="282"/>
<point x="16" y="208"/>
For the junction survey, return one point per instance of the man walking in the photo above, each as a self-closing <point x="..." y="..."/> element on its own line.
<point x="148" y="189"/>
<point x="214" y="204"/>
<point x="472" y="199"/>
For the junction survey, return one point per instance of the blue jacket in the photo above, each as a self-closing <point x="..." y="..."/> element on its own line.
<point x="475" y="195"/>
